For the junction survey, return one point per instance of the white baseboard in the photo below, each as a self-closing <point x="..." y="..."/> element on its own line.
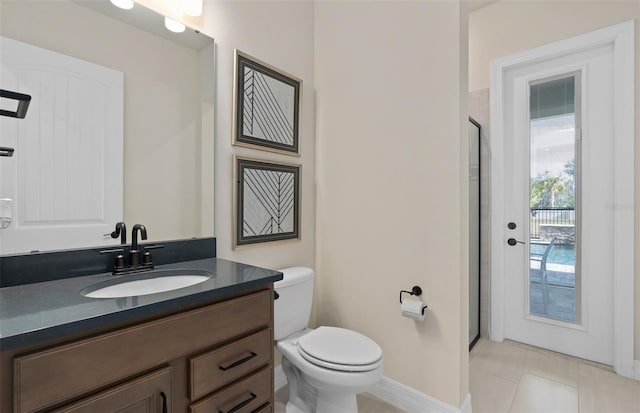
<point x="397" y="394"/>
<point x="636" y="369"/>
<point x="411" y="400"/>
<point x="466" y="405"/>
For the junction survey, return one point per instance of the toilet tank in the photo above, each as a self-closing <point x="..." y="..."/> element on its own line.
<point x="293" y="306"/>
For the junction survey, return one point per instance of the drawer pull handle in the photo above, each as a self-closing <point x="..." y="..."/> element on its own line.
<point x="238" y="362"/>
<point x="240" y="405"/>
<point x="164" y="402"/>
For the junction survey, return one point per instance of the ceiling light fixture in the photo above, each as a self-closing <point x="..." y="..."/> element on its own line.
<point x="192" y="7"/>
<point x="173" y="25"/>
<point x="123" y="4"/>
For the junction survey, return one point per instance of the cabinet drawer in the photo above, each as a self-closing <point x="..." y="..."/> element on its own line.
<point x="150" y="393"/>
<point x="217" y="368"/>
<point x="89" y="364"/>
<point x="243" y="397"/>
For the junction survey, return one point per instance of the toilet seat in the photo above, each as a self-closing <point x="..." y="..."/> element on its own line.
<point x="340" y="349"/>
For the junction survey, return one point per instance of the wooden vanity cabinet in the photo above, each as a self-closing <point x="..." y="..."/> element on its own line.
<point x="149" y="393"/>
<point x="244" y="396"/>
<point x="217" y="358"/>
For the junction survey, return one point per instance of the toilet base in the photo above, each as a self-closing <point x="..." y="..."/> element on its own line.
<point x="291" y="408"/>
<point x="336" y="403"/>
<point x="332" y="404"/>
<point x="302" y="396"/>
<point x="306" y="398"/>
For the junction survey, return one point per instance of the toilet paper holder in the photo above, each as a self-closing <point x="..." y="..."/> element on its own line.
<point x="416" y="290"/>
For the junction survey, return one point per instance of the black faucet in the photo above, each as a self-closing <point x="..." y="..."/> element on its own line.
<point x="135" y="263"/>
<point x="120" y="231"/>
<point x="134" y="235"/>
<point x="134" y="254"/>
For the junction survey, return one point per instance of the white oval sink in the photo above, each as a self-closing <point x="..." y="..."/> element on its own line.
<point x="146" y="283"/>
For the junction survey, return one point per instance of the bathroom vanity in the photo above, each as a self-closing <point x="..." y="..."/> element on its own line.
<point x="205" y="348"/>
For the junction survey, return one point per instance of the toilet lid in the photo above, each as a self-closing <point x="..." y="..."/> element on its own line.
<point x="340" y="349"/>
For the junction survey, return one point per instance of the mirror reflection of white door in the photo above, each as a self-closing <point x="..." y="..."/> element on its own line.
<point x="558" y="180"/>
<point x="66" y="172"/>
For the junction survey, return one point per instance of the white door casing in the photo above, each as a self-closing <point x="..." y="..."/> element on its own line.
<point x="619" y="39"/>
<point x="67" y="170"/>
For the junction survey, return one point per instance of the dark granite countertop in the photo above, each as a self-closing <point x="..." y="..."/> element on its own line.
<point x="31" y="313"/>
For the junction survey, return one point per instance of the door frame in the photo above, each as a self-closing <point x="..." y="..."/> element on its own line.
<point x="621" y="37"/>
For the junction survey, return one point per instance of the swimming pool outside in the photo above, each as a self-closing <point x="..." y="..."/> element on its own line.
<point x="555" y="298"/>
<point x="562" y="257"/>
<point x="562" y="254"/>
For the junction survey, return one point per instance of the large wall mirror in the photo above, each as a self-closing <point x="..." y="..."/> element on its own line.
<point x="98" y="72"/>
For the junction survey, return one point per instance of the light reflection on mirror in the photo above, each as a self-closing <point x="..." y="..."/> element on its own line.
<point x="167" y="118"/>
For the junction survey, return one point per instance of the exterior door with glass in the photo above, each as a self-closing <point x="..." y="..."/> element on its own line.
<point x="558" y="187"/>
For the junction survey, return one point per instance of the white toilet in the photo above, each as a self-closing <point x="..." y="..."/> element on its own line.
<point x="325" y="367"/>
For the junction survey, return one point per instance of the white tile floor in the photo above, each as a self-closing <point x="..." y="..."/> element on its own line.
<point x="510" y="377"/>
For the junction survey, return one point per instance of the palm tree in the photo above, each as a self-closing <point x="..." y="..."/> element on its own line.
<point x="544" y="189"/>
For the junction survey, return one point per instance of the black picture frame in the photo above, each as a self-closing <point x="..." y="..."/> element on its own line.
<point x="266" y="106"/>
<point x="267" y="201"/>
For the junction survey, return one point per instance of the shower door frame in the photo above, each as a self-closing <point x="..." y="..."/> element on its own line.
<point x="475" y="123"/>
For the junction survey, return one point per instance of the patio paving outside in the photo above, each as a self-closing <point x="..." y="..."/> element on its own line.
<point x="560" y="291"/>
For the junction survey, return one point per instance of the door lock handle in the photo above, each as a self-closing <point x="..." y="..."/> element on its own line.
<point x="513" y="241"/>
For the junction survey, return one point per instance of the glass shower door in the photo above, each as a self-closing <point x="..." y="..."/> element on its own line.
<point x="474" y="232"/>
